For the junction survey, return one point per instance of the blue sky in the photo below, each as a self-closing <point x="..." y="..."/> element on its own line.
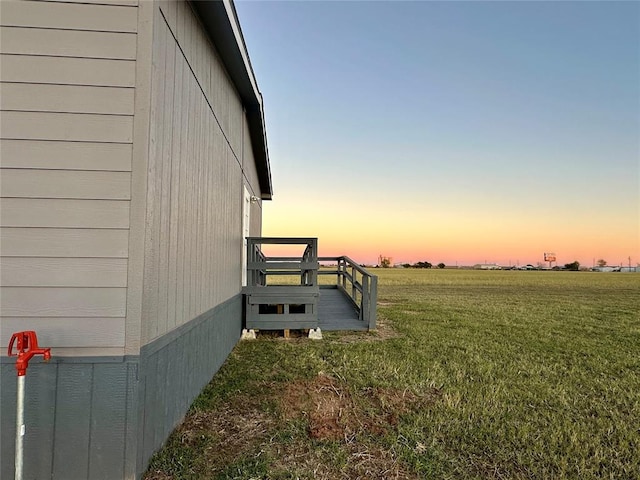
<point x="407" y="120"/>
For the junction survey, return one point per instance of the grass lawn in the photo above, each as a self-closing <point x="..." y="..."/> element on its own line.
<point x="472" y="374"/>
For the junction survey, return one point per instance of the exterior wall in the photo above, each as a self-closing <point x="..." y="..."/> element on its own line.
<point x="192" y="307"/>
<point x="103" y="417"/>
<point x="67" y="111"/>
<point x="63" y="439"/>
<point x="198" y="162"/>
<point x="121" y="226"/>
<point x="193" y="243"/>
<point x="176" y="367"/>
<point x="67" y="101"/>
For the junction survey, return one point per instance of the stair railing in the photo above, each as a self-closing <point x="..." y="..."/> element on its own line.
<point x="357" y="283"/>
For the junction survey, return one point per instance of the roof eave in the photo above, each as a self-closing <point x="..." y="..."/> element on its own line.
<point x="220" y="21"/>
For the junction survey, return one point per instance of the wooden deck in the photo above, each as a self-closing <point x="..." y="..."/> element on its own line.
<point x="273" y="302"/>
<point x="337" y="312"/>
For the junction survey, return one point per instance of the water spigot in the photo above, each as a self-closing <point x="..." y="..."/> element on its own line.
<point x="26" y="344"/>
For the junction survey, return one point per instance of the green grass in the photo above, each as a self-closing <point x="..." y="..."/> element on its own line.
<point x="487" y="375"/>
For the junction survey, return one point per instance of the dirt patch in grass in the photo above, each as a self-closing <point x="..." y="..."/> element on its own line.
<point x="334" y="413"/>
<point x="351" y="423"/>
<point x="325" y="404"/>
<point x="341" y="440"/>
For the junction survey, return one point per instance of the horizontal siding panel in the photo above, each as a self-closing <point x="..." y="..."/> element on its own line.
<point x="65" y="184"/>
<point x="63" y="302"/>
<point x="28" y="212"/>
<point x="68" y="332"/>
<point x="66" y="98"/>
<point x="68" y="70"/>
<point x="68" y="43"/>
<point x="67" y="126"/>
<point x="63" y="272"/>
<point x="64" y="242"/>
<point x="66" y="155"/>
<point x="106" y="18"/>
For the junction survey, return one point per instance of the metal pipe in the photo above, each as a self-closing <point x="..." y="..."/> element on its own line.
<point x="26" y="344"/>
<point x="20" y="428"/>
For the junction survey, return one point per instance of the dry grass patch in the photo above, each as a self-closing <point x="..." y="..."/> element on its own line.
<point x="358" y="461"/>
<point x="324" y="403"/>
<point x="218" y="437"/>
<point x="351" y="423"/>
<point x="334" y="413"/>
<point x="239" y="429"/>
<point x="340" y="437"/>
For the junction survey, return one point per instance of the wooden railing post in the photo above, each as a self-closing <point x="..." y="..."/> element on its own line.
<point x="365" y="298"/>
<point x="373" y="297"/>
<point x="353" y="282"/>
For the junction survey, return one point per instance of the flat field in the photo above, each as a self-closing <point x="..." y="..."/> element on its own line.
<point x="471" y="374"/>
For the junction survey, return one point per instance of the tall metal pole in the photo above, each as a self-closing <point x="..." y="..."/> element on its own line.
<point x="26" y="344"/>
<point x="20" y="429"/>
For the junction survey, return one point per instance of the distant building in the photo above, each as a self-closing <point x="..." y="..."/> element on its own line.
<point x="630" y="269"/>
<point x="487" y="266"/>
<point x="613" y="268"/>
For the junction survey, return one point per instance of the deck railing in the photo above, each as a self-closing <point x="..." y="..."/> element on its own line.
<point x="292" y="302"/>
<point x="260" y="267"/>
<point x="289" y="305"/>
<point x="357" y="283"/>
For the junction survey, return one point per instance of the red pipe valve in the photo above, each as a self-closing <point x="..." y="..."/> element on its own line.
<point x="26" y="348"/>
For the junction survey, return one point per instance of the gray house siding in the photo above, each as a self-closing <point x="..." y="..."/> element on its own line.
<point x="67" y="105"/>
<point x="192" y="307"/>
<point x="66" y="440"/>
<point x="177" y="366"/>
<point x="126" y="142"/>
<point x="194" y="197"/>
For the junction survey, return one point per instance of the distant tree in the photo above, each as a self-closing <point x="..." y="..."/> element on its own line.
<point x="601" y="262"/>
<point x="575" y="266"/>
<point x="441" y="265"/>
<point x="385" y="262"/>
<point x="406" y="265"/>
<point x="422" y="265"/>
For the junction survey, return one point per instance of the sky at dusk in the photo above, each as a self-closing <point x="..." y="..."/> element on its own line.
<point x="455" y="132"/>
